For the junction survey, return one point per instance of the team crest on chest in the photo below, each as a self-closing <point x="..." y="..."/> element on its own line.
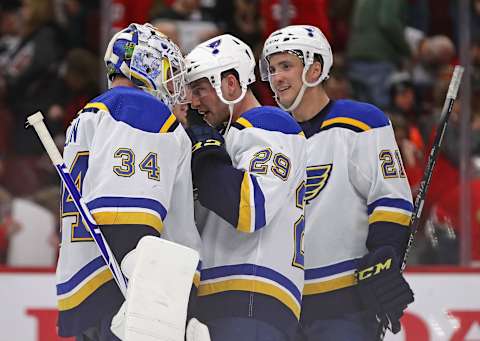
<point x="317" y="178"/>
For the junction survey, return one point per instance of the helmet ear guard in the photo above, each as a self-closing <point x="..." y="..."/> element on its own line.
<point x="150" y="60"/>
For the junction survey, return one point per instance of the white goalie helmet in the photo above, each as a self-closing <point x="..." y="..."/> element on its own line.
<point x="214" y="56"/>
<point x="150" y="60"/>
<point x="305" y="41"/>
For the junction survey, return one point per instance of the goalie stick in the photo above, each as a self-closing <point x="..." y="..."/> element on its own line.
<point x="36" y="120"/>
<point x="427" y="175"/>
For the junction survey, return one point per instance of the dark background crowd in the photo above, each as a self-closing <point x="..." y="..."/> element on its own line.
<point x="396" y="54"/>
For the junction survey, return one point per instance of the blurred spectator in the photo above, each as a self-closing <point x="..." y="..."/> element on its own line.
<point x="300" y="12"/>
<point x="9" y="29"/>
<point x="404" y="102"/>
<point x="376" y="47"/>
<point x="169" y="28"/>
<point x="77" y="85"/>
<point x="125" y="12"/>
<point x="181" y="10"/>
<point x="338" y="87"/>
<point x="340" y="17"/>
<point x="31" y="66"/>
<point x="412" y="155"/>
<point x="446" y="216"/>
<point x="187" y="22"/>
<point x="418" y="15"/>
<point x="8" y="226"/>
<point x="79" y="20"/>
<point x="433" y="55"/>
<point x="242" y="19"/>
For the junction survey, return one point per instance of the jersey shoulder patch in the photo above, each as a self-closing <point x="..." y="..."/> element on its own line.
<point x="136" y="108"/>
<point x="268" y="118"/>
<point x="356" y="116"/>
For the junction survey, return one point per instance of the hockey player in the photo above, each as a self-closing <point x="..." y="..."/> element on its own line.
<point x="252" y="183"/>
<point x="131" y="161"/>
<point x="358" y="201"/>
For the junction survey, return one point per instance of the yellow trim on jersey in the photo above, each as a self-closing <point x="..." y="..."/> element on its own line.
<point x="129" y="218"/>
<point x="251" y="286"/>
<point x="196" y="279"/>
<point x="244" y="210"/>
<point x="346" y="120"/>
<point x="301" y="133"/>
<point x="329" y="285"/>
<point x="97" y="105"/>
<point x="91" y="286"/>
<point x="168" y="123"/>
<point x="391" y="217"/>
<point x="244" y="122"/>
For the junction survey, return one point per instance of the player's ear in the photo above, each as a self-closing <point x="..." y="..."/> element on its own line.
<point x="314" y="72"/>
<point x="230" y="86"/>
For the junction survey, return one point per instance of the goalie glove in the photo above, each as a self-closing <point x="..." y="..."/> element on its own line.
<point x="382" y="286"/>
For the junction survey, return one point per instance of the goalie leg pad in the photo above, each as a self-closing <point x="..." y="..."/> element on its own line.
<point x="197" y="331"/>
<point x="158" y="290"/>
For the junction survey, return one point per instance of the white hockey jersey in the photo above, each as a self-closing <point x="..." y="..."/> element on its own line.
<point x="255" y="268"/>
<point x="131" y="160"/>
<point x="355" y="183"/>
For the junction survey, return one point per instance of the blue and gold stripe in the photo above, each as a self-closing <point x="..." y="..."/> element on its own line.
<point x="330" y="277"/>
<point x="345" y="122"/>
<point x="170" y="124"/>
<point x="251" y="278"/>
<point x="268" y="118"/>
<point x="251" y="217"/>
<point x="392" y="210"/>
<point x="95" y="107"/>
<point x="108" y="211"/>
<point x="74" y="291"/>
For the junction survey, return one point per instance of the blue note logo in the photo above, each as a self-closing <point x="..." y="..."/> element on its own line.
<point x="317" y="178"/>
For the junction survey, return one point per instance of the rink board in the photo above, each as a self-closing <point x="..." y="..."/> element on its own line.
<point x="447" y="305"/>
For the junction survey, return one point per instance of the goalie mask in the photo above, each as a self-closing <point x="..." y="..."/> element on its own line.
<point x="212" y="57"/>
<point x="150" y="60"/>
<point x="306" y="42"/>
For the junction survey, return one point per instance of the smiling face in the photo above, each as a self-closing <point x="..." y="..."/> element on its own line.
<point x="206" y="101"/>
<point x="285" y="71"/>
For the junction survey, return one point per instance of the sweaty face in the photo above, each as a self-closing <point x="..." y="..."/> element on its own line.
<point x="206" y="101"/>
<point x="285" y="70"/>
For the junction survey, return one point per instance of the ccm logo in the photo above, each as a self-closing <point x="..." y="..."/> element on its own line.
<point x="374" y="270"/>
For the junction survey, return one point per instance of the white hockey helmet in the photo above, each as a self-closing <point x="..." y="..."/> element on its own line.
<point x="150" y="60"/>
<point x="214" y="56"/>
<point x="306" y="40"/>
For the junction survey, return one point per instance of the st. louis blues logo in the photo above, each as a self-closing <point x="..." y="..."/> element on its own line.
<point x="317" y="178"/>
<point x="310" y="31"/>
<point x="213" y="45"/>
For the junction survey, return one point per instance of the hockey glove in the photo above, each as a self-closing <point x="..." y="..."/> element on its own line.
<point x="382" y="286"/>
<point x="206" y="142"/>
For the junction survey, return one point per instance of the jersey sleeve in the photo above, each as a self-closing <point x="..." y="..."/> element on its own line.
<point x="376" y="171"/>
<point x="249" y="190"/>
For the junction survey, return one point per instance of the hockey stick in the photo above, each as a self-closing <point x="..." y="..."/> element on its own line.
<point x="36" y="120"/>
<point x="427" y="175"/>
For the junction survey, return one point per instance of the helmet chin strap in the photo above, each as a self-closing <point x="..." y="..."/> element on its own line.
<point x="231" y="104"/>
